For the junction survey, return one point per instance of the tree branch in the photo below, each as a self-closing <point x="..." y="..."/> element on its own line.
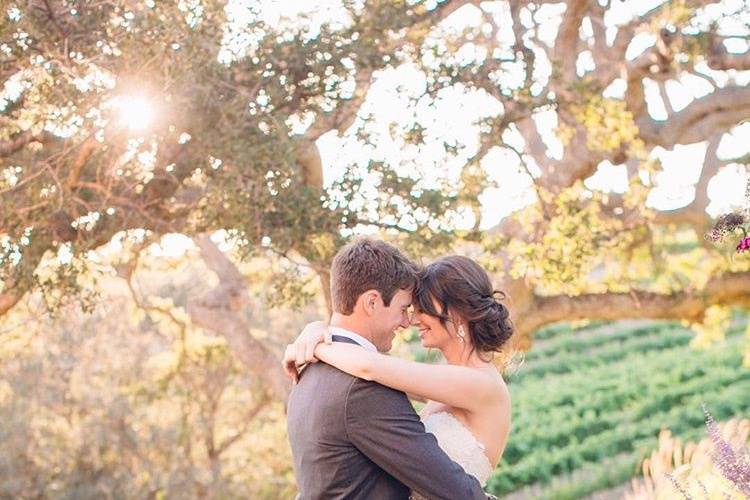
<point x="222" y="310"/>
<point x="729" y="288"/>
<point x="694" y="213"/>
<point x="701" y="119"/>
<point x="720" y="59"/>
<point x="126" y="272"/>
<point x="443" y="10"/>
<point x="19" y="141"/>
<point x="345" y="113"/>
<point x="535" y="146"/>
<point x="247" y="420"/>
<point x="665" y="98"/>
<point x="600" y="51"/>
<point x="566" y="45"/>
<point x="87" y="148"/>
<point x="8" y="300"/>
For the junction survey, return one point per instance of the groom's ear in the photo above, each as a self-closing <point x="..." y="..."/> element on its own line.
<point x="369" y="301"/>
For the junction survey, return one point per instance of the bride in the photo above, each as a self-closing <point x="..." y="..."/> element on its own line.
<point x="467" y="402"/>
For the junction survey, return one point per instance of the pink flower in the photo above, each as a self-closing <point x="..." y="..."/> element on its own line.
<point x="744" y="244"/>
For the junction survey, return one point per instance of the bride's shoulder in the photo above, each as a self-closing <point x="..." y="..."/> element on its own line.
<point x="491" y="383"/>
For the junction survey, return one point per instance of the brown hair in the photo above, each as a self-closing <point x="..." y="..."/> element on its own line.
<point x="369" y="264"/>
<point x="462" y="287"/>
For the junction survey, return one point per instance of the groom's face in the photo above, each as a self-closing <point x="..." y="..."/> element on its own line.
<point x="391" y="318"/>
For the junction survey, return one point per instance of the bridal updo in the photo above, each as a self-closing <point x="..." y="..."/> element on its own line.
<point x="462" y="288"/>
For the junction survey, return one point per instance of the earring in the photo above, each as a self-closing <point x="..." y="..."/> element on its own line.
<point x="461" y="333"/>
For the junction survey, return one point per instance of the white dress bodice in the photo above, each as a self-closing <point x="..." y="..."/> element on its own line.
<point x="458" y="442"/>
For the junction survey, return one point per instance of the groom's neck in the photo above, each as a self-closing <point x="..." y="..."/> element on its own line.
<point x="352" y="323"/>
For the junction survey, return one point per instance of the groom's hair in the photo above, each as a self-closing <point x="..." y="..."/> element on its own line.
<point x="369" y="264"/>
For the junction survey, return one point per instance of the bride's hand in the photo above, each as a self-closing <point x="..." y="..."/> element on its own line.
<point x="302" y="351"/>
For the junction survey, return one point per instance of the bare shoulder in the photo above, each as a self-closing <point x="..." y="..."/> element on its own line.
<point x="492" y="383"/>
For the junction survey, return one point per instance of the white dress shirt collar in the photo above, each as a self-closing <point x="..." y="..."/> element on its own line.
<point x="359" y="339"/>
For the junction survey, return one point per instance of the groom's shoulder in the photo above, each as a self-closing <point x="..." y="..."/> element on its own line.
<point x="367" y="393"/>
<point x="322" y="373"/>
<point x="368" y="401"/>
<point x="322" y="377"/>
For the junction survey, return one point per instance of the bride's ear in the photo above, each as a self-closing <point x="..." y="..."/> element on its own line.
<point x="455" y="322"/>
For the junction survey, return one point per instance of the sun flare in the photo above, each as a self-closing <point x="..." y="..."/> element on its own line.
<point x="136" y="112"/>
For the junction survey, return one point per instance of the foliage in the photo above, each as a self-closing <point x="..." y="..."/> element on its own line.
<point x="578" y="236"/>
<point x="200" y="116"/>
<point x="583" y="399"/>
<point x="608" y="122"/>
<point x="121" y="402"/>
<point x="123" y="122"/>
<point x="713" y="327"/>
<point x="690" y="468"/>
<point x="217" y="91"/>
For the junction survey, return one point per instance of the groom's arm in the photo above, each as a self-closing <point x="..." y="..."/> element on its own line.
<point x="382" y="424"/>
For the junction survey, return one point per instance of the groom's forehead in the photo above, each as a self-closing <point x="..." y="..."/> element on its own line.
<point x="404" y="296"/>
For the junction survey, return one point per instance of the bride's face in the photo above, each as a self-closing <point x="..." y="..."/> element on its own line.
<point x="431" y="332"/>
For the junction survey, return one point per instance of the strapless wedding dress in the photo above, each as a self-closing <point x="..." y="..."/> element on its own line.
<point x="459" y="444"/>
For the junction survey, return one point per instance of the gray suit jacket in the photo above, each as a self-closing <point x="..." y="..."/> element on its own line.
<point x="354" y="439"/>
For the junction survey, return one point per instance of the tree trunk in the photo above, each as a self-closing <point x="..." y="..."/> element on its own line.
<point x="224" y="310"/>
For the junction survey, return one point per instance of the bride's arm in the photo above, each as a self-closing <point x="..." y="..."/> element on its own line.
<point x="302" y="351"/>
<point x="457" y="386"/>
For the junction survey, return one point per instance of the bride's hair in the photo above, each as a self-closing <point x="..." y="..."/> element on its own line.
<point x="462" y="288"/>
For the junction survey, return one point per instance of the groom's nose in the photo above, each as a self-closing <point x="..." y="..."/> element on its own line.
<point x="413" y="321"/>
<point x="405" y="321"/>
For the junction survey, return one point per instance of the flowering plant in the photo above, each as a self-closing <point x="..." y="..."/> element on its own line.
<point x="731" y="222"/>
<point x="716" y="467"/>
<point x="734" y="464"/>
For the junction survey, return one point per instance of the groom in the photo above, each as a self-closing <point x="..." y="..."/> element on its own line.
<point x="355" y="439"/>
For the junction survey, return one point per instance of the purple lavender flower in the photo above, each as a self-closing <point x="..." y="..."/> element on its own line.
<point x="678" y="487"/>
<point x="726" y="224"/>
<point x="703" y="487"/>
<point x="744" y="244"/>
<point x="734" y="466"/>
